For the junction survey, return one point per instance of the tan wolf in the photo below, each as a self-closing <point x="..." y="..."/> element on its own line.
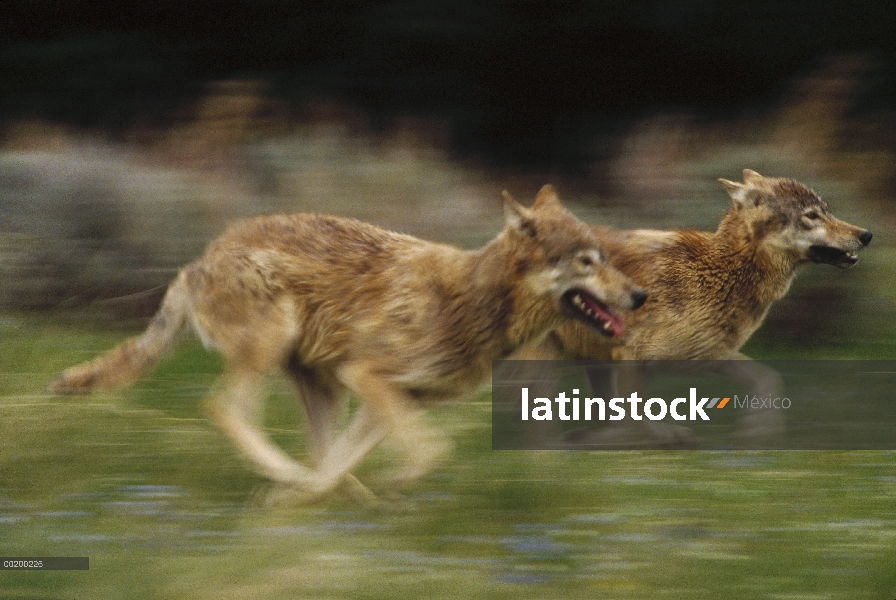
<point x="343" y="307"/>
<point x="709" y="291"/>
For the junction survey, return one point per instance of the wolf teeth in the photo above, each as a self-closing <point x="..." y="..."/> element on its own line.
<point x="580" y="304"/>
<point x="607" y="326"/>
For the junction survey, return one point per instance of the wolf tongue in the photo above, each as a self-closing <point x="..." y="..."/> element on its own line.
<point x="612" y="323"/>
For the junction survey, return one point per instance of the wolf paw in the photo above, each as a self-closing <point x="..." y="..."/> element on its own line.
<point x="74" y="381"/>
<point x="425" y="458"/>
<point x="276" y="495"/>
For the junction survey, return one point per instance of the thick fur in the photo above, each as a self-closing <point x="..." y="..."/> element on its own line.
<point x="344" y="307"/>
<point x="709" y="291"/>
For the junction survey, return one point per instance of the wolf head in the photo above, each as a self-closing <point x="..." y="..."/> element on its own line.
<point x="790" y="219"/>
<point x="560" y="258"/>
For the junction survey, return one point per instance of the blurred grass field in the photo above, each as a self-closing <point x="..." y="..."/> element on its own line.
<point x="162" y="505"/>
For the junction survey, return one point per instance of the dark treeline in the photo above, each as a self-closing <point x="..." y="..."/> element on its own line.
<point x="510" y="78"/>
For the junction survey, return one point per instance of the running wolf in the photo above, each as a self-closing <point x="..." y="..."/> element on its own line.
<point x="343" y="307"/>
<point x="710" y="291"/>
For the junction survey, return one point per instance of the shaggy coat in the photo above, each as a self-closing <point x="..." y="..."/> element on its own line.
<point x="343" y="307"/>
<point x="709" y="291"/>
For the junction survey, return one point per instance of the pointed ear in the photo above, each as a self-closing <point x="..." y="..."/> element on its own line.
<point x="750" y="176"/>
<point x="516" y="216"/>
<point x="547" y="198"/>
<point x="737" y="191"/>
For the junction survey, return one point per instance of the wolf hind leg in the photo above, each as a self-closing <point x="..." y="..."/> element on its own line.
<point x="422" y="446"/>
<point x="323" y="406"/>
<point x="333" y="470"/>
<point x="236" y="410"/>
<point x="387" y="411"/>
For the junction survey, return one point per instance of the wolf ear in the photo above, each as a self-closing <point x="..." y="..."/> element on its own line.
<point x="517" y="216"/>
<point x="547" y="198"/>
<point x="751" y="176"/>
<point x="737" y="191"/>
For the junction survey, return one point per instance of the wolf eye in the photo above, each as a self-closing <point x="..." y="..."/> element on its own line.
<point x="585" y="260"/>
<point x="812" y="215"/>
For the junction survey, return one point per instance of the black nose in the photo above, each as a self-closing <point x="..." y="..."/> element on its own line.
<point x="865" y="237"/>
<point x="638" y="299"/>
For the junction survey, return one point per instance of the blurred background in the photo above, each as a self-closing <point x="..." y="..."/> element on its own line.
<point x="132" y="134"/>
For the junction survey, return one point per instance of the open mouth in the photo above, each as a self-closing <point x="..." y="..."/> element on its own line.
<point x="832" y="256"/>
<point x="581" y="305"/>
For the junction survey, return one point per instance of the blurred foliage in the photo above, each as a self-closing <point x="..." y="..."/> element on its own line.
<point x="133" y="136"/>
<point x="517" y="82"/>
<point x="84" y="220"/>
<point x="103" y="224"/>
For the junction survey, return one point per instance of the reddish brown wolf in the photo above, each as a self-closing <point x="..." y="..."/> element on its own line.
<point x="343" y="307"/>
<point x="709" y="291"/>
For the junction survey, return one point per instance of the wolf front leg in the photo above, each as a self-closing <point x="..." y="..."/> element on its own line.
<point x="763" y="427"/>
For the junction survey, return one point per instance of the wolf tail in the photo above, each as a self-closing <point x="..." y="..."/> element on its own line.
<point x="124" y="364"/>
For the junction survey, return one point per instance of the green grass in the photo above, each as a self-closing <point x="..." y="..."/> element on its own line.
<point x="161" y="504"/>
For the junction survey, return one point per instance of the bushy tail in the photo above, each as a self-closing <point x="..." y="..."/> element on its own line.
<point x="125" y="363"/>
